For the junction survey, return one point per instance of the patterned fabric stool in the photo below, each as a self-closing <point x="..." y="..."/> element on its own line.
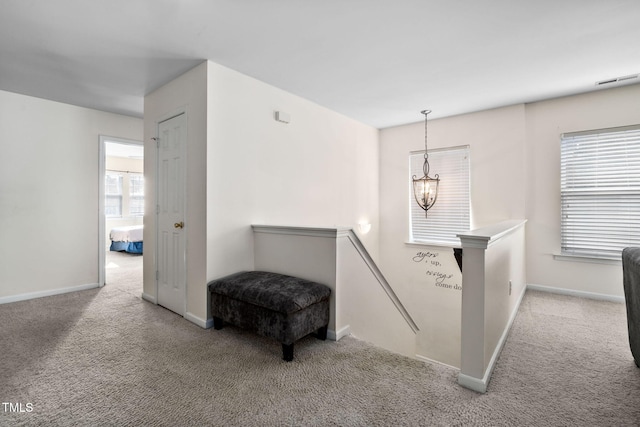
<point x="273" y="305"/>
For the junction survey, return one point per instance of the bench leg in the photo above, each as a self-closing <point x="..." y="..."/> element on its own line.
<point x="287" y="352"/>
<point x="217" y="323"/>
<point x="321" y="333"/>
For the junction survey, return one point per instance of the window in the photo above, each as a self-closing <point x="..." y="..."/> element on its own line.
<point x="600" y="192"/>
<point x="113" y="194"/>
<point x="451" y="213"/>
<point x="124" y="194"/>
<point x="136" y="194"/>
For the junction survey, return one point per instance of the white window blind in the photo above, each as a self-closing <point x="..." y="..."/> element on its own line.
<point x="451" y="213"/>
<point x="136" y="194"/>
<point x="600" y="192"/>
<point x="113" y="194"/>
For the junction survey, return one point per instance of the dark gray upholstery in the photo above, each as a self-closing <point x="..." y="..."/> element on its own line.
<point x="282" y="307"/>
<point x="631" y="281"/>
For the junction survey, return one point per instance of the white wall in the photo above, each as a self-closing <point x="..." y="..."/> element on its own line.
<point x="496" y="139"/>
<point x="49" y="177"/>
<point x="515" y="174"/>
<point x="504" y="263"/>
<point x="365" y="308"/>
<point x="299" y="255"/>
<point x="360" y="305"/>
<point x="321" y="169"/>
<point x="546" y="121"/>
<point x="186" y="94"/>
<point x="244" y="168"/>
<point x="493" y="286"/>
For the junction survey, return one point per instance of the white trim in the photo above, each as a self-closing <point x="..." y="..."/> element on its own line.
<point x="588" y="259"/>
<point x="101" y="215"/>
<point x="362" y="251"/>
<point x="484" y="237"/>
<point x="48" y="293"/>
<point x="576" y="293"/>
<point x="437" y="362"/>
<point x="300" y="230"/>
<point x="103" y="140"/>
<point x="206" y="324"/>
<point x="598" y="131"/>
<point x="472" y="383"/>
<point x="480" y="385"/>
<point x="436" y="150"/>
<point x="150" y="298"/>
<point x="337" y="336"/>
<point x="435" y="244"/>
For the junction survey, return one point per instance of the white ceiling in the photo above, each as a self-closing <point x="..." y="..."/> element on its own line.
<point x="377" y="61"/>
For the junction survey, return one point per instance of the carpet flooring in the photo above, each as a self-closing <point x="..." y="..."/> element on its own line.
<point x="104" y="357"/>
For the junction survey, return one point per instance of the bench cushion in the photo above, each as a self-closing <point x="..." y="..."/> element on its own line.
<point x="278" y="292"/>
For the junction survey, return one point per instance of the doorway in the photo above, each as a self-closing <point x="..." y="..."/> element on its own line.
<point x="121" y="213"/>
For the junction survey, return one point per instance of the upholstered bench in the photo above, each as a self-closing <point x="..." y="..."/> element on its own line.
<point x="273" y="305"/>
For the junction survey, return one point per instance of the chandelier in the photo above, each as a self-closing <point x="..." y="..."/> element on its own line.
<point x="425" y="189"/>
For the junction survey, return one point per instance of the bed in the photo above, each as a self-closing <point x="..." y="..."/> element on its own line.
<point x="126" y="239"/>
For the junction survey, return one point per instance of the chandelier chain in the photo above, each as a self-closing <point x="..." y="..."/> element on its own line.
<point x="425" y="166"/>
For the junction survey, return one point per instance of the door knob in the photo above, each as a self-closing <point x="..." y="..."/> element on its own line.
<point x="179" y="224"/>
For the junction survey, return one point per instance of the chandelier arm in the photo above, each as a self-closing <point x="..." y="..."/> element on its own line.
<point x="437" y="178"/>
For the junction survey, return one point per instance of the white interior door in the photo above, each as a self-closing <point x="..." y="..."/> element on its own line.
<point x="171" y="239"/>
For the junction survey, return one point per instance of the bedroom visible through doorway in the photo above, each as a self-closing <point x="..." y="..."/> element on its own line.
<point x="121" y="213"/>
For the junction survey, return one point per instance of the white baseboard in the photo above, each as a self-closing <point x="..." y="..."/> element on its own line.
<point x="475" y="384"/>
<point x="147" y="297"/>
<point x="47" y="293"/>
<point x="574" y="293"/>
<point x="205" y="324"/>
<point x="480" y="384"/>
<point x="427" y="360"/>
<point x="337" y="336"/>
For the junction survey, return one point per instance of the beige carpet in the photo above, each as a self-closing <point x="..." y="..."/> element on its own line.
<point x="105" y="357"/>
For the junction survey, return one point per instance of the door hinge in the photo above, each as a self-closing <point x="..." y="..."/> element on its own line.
<point x="157" y="274"/>
<point x="157" y="209"/>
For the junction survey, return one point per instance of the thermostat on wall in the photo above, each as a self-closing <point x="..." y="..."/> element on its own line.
<point x="283" y="117"/>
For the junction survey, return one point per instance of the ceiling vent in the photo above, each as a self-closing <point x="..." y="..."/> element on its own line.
<point x="617" y="80"/>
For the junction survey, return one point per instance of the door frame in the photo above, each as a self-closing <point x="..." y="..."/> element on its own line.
<point x="103" y="140"/>
<point x="156" y="187"/>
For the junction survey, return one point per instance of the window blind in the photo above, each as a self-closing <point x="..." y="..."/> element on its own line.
<point x="451" y="213"/>
<point x="600" y="192"/>
<point x="136" y="194"/>
<point x="113" y="194"/>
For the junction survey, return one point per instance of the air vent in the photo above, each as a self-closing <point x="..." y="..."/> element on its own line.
<point x="617" y="80"/>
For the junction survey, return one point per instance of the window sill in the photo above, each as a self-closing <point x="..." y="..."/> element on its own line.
<point x="587" y="259"/>
<point x="436" y="244"/>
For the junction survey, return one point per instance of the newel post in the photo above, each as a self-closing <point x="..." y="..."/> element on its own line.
<point x="472" y="360"/>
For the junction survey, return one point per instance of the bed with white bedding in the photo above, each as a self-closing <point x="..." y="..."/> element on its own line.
<point x="127" y="239"/>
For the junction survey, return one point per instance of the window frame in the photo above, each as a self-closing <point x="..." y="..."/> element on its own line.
<point x="594" y="166"/>
<point x="133" y="195"/>
<point x="448" y="198"/>
<point x="117" y="195"/>
<point x="125" y="195"/>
